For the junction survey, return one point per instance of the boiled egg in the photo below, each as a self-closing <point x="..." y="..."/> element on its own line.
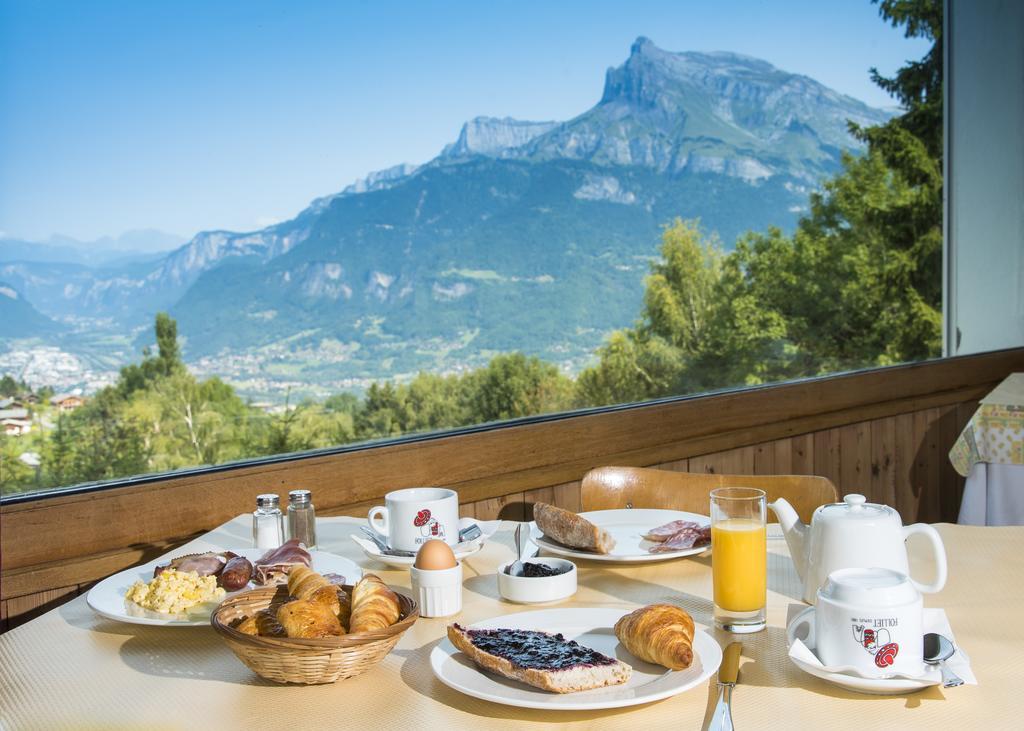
<point x="435" y="555"/>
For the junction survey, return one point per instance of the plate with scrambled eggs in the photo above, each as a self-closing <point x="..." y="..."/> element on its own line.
<point x="182" y="597"/>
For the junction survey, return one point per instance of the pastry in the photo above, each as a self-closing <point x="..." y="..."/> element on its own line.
<point x="303" y="618"/>
<point x="344" y="610"/>
<point x="543" y="660"/>
<point x="660" y="634"/>
<point x="374" y="605"/>
<point x="263" y="623"/>
<point x="304" y="583"/>
<point x="571" y="530"/>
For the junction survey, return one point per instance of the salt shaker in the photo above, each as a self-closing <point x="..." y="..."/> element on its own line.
<point x="267" y="522"/>
<point x="302" y="517"/>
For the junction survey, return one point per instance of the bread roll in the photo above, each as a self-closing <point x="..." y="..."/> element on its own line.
<point x="304" y="618"/>
<point x="571" y="530"/>
<point x="374" y="605"/>
<point x="659" y="633"/>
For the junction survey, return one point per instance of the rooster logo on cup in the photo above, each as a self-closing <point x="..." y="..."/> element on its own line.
<point x="878" y="643"/>
<point x="429" y="526"/>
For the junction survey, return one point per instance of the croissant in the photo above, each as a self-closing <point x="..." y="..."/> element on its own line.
<point x="303" y="618"/>
<point x="267" y="624"/>
<point x="374" y="605"/>
<point x="660" y="634"/>
<point x="304" y="583"/>
<point x="263" y="623"/>
<point x="344" y="609"/>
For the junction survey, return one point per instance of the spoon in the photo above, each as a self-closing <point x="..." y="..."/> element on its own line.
<point x="517" y="568"/>
<point x="938" y="649"/>
<point x="383" y="546"/>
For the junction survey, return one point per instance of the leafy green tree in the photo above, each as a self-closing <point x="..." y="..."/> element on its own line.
<point x="513" y="386"/>
<point x="9" y="386"/>
<point x="15" y="475"/>
<point x="858" y="283"/>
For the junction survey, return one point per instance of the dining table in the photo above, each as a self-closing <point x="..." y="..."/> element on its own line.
<point x="990" y="453"/>
<point x="72" y="668"/>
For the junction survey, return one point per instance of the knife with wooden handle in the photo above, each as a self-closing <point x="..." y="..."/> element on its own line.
<point x="728" y="672"/>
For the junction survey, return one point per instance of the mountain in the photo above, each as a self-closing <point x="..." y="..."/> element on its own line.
<point x="19" y="319"/>
<point x="518" y="235"/>
<point x="131" y="246"/>
<point x="709" y="113"/>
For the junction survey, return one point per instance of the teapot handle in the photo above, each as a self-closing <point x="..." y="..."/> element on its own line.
<point x="940" y="556"/>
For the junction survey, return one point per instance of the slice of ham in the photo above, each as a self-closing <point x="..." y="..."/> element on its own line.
<point x="273" y="566"/>
<point x="204" y="564"/>
<point x="690" y="537"/>
<point x="664" y="532"/>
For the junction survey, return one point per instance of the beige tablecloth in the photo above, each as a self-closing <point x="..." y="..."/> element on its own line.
<point x="73" y="669"/>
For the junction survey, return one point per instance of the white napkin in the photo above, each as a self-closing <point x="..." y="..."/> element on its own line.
<point x="935" y="620"/>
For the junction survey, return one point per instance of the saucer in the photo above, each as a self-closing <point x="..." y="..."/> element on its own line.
<point x="895" y="685"/>
<point x="461" y="550"/>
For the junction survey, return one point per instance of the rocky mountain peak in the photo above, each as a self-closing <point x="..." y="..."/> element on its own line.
<point x="492" y="136"/>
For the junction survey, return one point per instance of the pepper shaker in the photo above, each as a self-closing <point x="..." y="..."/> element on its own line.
<point x="302" y="517"/>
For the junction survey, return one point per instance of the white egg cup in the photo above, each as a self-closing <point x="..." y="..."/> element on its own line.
<point x="438" y="591"/>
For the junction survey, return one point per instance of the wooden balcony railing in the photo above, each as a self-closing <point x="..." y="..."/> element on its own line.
<point x="883" y="432"/>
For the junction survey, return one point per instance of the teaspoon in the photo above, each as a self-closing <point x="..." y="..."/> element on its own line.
<point x="938" y="649"/>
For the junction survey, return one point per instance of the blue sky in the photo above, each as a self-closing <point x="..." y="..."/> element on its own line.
<point x="186" y="116"/>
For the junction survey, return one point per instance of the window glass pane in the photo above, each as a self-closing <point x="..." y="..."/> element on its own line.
<point x="657" y="199"/>
<point x="986" y="214"/>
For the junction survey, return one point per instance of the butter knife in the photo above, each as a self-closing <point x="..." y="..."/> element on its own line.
<point x="728" y="672"/>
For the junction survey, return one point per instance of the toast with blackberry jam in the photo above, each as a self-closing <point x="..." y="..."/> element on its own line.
<point x="543" y="660"/>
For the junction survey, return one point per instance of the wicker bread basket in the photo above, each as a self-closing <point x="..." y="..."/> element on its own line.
<point x="307" y="661"/>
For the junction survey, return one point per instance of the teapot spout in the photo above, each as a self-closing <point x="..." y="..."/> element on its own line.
<point x="795" y="532"/>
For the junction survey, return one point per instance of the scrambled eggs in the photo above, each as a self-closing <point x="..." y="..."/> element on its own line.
<point x="175" y="591"/>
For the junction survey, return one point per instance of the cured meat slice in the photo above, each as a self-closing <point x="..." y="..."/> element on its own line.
<point x="685" y="539"/>
<point x="273" y="566"/>
<point x="204" y="564"/>
<point x="664" y="532"/>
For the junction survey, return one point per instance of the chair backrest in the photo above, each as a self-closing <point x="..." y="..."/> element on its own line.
<point x="609" y="488"/>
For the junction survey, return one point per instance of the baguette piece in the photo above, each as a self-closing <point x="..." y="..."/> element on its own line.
<point x="374" y="605"/>
<point x="592" y="670"/>
<point x="571" y="530"/>
<point x="658" y="633"/>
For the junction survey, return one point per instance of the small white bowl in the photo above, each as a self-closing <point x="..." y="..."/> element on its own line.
<point x="534" y="590"/>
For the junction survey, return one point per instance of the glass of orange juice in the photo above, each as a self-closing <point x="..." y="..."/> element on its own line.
<point x="739" y="558"/>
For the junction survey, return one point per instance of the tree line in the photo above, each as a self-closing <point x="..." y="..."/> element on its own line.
<point x="857" y="284"/>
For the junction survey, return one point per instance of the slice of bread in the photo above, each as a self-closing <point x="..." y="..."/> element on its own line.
<point x="568" y="679"/>
<point x="571" y="530"/>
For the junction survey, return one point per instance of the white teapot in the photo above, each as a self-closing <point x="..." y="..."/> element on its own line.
<point x="853" y="534"/>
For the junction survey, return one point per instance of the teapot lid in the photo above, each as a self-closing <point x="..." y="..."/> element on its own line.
<point x="856" y="506"/>
<point x="869" y="587"/>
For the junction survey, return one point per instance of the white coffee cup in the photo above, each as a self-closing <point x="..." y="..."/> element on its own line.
<point x="870" y="620"/>
<point x="411" y="517"/>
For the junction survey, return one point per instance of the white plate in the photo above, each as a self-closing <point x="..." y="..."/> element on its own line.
<point x="107" y="597"/>
<point x="627" y="527"/>
<point x="589" y="627"/>
<point x="873" y="686"/>
<point x="462" y="550"/>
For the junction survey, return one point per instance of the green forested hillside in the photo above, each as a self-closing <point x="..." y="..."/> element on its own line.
<point x="486" y="255"/>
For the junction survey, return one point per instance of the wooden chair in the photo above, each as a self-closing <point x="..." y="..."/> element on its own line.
<point x="609" y="488"/>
